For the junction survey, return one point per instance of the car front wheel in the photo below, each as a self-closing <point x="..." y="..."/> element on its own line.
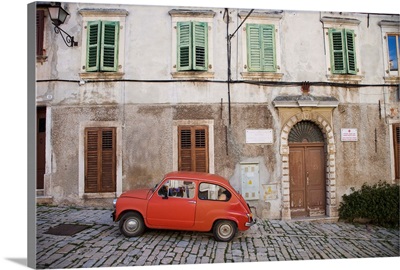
<point x="224" y="230"/>
<point x="131" y="224"/>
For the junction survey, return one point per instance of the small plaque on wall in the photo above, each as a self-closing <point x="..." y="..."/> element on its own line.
<point x="261" y="136"/>
<point x="349" y="135"/>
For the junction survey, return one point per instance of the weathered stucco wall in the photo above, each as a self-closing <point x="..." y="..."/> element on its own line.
<point x="145" y="105"/>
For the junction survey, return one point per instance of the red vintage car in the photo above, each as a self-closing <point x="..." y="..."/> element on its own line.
<point x="185" y="201"/>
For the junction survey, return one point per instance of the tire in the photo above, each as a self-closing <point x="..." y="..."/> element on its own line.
<point x="224" y="230"/>
<point x="132" y="224"/>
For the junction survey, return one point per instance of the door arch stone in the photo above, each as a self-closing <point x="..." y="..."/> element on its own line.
<point x="319" y="117"/>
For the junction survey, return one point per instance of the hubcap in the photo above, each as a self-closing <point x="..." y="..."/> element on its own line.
<point x="225" y="230"/>
<point x="131" y="225"/>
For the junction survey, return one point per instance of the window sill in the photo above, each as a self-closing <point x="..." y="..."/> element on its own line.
<point x="262" y="76"/>
<point x="99" y="76"/>
<point x="105" y="195"/>
<point x="345" y="78"/>
<point x="193" y="75"/>
<point x="392" y="79"/>
<point x="41" y="58"/>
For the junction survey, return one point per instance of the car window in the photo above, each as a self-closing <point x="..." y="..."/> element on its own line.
<point x="177" y="189"/>
<point x="213" y="192"/>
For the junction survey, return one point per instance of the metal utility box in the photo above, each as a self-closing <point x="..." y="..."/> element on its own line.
<point x="250" y="178"/>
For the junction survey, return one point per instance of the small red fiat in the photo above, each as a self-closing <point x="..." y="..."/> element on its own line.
<point x="189" y="201"/>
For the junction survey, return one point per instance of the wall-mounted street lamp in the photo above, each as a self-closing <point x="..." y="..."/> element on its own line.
<point x="58" y="16"/>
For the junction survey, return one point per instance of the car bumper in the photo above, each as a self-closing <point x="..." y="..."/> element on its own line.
<point x="250" y="223"/>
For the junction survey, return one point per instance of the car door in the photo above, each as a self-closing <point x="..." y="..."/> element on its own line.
<point x="173" y="205"/>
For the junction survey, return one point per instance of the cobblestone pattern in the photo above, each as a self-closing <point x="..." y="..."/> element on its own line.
<point x="102" y="245"/>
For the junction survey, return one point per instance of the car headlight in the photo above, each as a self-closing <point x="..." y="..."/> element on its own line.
<point x="114" y="203"/>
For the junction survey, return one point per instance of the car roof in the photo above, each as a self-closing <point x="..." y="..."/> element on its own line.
<point x="197" y="176"/>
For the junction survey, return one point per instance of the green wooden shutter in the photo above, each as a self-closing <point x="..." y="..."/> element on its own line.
<point x="350" y="51"/>
<point x="184" y="35"/>
<point x="92" y="47"/>
<point x="268" y="45"/>
<point x="200" y="41"/>
<point x="338" y="60"/>
<point x="254" y="51"/>
<point x="109" y="46"/>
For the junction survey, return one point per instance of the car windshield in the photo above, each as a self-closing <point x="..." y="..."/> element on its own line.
<point x="155" y="187"/>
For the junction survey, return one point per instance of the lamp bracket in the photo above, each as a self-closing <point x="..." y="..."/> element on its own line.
<point x="68" y="39"/>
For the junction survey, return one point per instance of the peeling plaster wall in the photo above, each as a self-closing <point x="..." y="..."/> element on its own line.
<point x="145" y="111"/>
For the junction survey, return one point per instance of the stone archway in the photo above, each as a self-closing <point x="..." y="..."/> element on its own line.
<point x="319" y="117"/>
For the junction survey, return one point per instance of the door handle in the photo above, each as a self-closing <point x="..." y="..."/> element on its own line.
<point x="308" y="179"/>
<point x="192" y="202"/>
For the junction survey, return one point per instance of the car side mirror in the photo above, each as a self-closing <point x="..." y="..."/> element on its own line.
<point x="165" y="197"/>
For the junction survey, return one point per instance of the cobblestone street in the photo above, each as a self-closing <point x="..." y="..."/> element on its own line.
<point x="102" y="245"/>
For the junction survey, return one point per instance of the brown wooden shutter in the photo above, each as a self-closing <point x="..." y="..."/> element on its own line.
<point x="100" y="160"/>
<point x="193" y="148"/>
<point x="39" y="32"/>
<point x="396" y="143"/>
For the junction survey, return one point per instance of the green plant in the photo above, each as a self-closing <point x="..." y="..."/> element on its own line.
<point x="378" y="203"/>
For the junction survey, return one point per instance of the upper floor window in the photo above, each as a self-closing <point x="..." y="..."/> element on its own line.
<point x="40" y="35"/>
<point x="342" y="49"/>
<point x="102" y="46"/>
<point x="192" y="43"/>
<point x="261" y="46"/>
<point x="393" y="52"/>
<point x="192" y="46"/>
<point x="103" y="40"/>
<point x="391" y="49"/>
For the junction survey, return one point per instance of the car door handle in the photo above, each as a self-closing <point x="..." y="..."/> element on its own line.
<point x="192" y="202"/>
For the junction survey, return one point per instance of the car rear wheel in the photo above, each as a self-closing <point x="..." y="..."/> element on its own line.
<point x="131" y="224"/>
<point x="224" y="230"/>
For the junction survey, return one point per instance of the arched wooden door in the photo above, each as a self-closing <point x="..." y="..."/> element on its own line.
<point x="307" y="170"/>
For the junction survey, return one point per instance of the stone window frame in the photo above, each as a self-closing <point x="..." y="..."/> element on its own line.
<point x="389" y="28"/>
<point x="184" y="15"/>
<point x="261" y="18"/>
<point x="175" y="142"/>
<point x="116" y="15"/>
<point x="118" y="159"/>
<point x="341" y="23"/>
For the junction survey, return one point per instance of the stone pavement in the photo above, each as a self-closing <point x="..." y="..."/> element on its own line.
<point x="102" y="245"/>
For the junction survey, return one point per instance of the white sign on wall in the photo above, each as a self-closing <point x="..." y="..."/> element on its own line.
<point x="349" y="135"/>
<point x="259" y="136"/>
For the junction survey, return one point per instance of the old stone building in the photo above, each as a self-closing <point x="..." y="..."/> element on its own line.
<point x="293" y="107"/>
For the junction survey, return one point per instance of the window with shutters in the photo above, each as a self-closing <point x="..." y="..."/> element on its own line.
<point x="193" y="148"/>
<point x="396" y="144"/>
<point x="343" y="52"/>
<point x="192" y="43"/>
<point x="100" y="160"/>
<point x="261" y="47"/>
<point x="102" y="46"/>
<point x="192" y="46"/>
<point x="40" y="51"/>
<point x="103" y="39"/>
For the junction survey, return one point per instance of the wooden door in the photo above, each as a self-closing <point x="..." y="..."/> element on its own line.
<point x="40" y="146"/>
<point x="307" y="179"/>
